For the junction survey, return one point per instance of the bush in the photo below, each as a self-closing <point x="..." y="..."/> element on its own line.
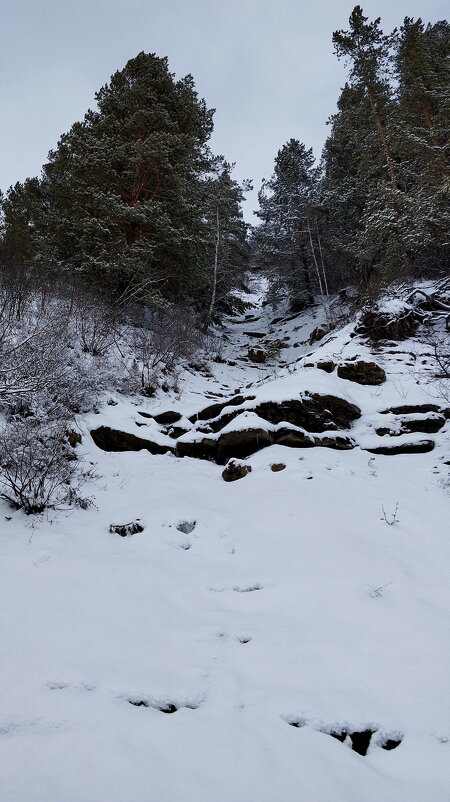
<point x="37" y="464"/>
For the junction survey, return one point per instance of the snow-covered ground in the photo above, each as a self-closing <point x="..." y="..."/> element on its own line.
<point x="291" y="606"/>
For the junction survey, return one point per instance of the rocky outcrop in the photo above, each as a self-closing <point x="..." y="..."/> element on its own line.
<point x="429" y="424"/>
<point x="362" y="372"/>
<point x="213" y="410"/>
<point x="114" y="440"/>
<point x="314" y="412"/>
<point x="377" y="324"/>
<point x="392" y="448"/>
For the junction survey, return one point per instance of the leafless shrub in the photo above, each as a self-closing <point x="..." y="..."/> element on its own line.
<point x="159" y="348"/>
<point x="37" y="464"/>
<point x="97" y="329"/>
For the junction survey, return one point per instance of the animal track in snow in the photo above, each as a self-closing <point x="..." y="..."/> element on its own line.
<point x="163" y="707"/>
<point x="359" y="739"/>
<point x="248" y="588"/>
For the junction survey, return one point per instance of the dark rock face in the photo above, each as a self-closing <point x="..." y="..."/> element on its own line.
<point x="410" y="409"/>
<point x="293" y="438"/>
<point x="338" y="442"/>
<point x="314" y="412"/>
<point x="419" y="447"/>
<point x="257" y="334"/>
<point x="362" y="372"/>
<point x="166" y="418"/>
<point x="256" y="355"/>
<point x="241" y="444"/>
<point x="234" y="471"/>
<point x="215" y="409"/>
<point x="429" y="425"/>
<point x="379" y="325"/>
<point x="276" y="467"/>
<point x="319" y="333"/>
<point x="114" y="440"/>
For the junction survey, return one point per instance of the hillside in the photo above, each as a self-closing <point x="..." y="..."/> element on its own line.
<point x="278" y="637"/>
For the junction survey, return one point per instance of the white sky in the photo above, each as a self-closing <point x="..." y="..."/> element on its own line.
<point x="267" y="66"/>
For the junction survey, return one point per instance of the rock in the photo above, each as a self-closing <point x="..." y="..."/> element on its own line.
<point x="313" y="412"/>
<point x="362" y="372"/>
<point x="126" y="529"/>
<point x="176" y="431"/>
<point x="319" y="333"/>
<point x="338" y="442"/>
<point x="73" y="437"/>
<point x="327" y="365"/>
<point x="242" y="443"/>
<point x="257" y="334"/>
<point x="277" y="466"/>
<point x="199" y="449"/>
<point x="415" y="447"/>
<point x="114" y="440"/>
<point x="256" y="355"/>
<point x="428" y="424"/>
<point x="379" y="325"/>
<point x="166" y="418"/>
<point x="234" y="470"/>
<point x="292" y="438"/>
<point x="215" y="409"/>
<point x="409" y="409"/>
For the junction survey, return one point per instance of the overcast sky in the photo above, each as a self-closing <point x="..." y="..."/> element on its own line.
<point x="266" y="66"/>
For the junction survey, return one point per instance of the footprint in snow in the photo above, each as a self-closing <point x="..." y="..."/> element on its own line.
<point x="248" y="588"/>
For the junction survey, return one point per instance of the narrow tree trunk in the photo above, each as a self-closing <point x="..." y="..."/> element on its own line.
<point x="385" y="145"/>
<point x="215" y="271"/>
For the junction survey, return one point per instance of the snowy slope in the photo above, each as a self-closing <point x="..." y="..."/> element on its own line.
<point x="291" y="609"/>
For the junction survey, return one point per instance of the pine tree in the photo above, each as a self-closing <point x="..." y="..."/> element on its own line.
<point x="422" y="125"/>
<point x="283" y="240"/>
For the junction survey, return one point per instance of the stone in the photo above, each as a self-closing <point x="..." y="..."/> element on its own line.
<point x="338" y="442"/>
<point x="362" y="372"/>
<point x="166" y="418"/>
<point x="234" y="471"/>
<point x="319" y="333"/>
<point x="256" y="355"/>
<point x="277" y="466"/>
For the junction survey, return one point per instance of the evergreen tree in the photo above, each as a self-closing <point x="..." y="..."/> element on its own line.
<point x="422" y="123"/>
<point x="283" y="240"/>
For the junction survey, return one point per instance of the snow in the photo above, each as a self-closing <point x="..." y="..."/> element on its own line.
<point x="290" y="600"/>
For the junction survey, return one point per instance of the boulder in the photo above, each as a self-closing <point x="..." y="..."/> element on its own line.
<point x="277" y="466"/>
<point x="215" y="409"/>
<point x="362" y="372"/>
<point x="114" y="440"/>
<point x="293" y="438"/>
<point x="234" y="471"/>
<point x="166" y="418"/>
<point x="242" y="443"/>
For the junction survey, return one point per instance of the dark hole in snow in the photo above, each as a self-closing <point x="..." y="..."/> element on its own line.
<point x="391" y="743"/>
<point x="168" y="709"/>
<point x="361" y="741"/>
<point x="185" y="546"/>
<point x="138" y="702"/>
<point x="186" y="527"/>
<point x="244" y="640"/>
